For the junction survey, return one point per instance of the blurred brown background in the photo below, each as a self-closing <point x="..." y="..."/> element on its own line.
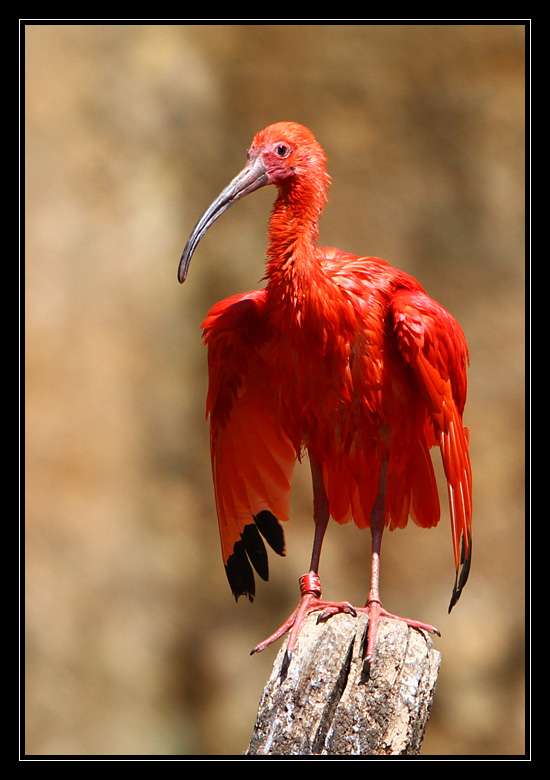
<point x="134" y="643"/>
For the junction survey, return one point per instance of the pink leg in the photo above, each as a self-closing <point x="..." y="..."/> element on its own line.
<point x="310" y="584"/>
<point x="373" y="607"/>
<point x="310" y="601"/>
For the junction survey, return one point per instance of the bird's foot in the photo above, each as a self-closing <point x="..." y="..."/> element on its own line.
<point x="310" y="601"/>
<point x="375" y="611"/>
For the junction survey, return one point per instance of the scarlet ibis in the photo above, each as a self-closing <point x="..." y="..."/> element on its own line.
<point x="344" y="356"/>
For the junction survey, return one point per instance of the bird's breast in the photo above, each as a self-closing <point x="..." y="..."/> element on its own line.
<point x="311" y="377"/>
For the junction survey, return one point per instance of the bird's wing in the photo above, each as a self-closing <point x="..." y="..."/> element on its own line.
<point x="252" y="457"/>
<point x="433" y="344"/>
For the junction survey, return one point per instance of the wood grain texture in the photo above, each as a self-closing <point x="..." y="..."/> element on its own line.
<point x="329" y="703"/>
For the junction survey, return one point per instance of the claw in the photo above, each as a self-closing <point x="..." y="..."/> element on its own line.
<point x="375" y="611"/>
<point x="345" y="607"/>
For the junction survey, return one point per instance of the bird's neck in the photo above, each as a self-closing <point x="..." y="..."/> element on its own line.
<point x="292" y="257"/>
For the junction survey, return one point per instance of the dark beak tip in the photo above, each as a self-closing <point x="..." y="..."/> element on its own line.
<point x="183" y="267"/>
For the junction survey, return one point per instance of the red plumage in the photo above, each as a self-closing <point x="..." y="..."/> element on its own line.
<point x="346" y="357"/>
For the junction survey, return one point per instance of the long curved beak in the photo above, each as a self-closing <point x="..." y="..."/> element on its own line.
<point x="251" y="178"/>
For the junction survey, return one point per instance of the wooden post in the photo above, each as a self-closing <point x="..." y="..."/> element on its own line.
<point x="329" y="703"/>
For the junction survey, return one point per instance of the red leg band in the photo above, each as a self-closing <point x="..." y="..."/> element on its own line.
<point x="310" y="583"/>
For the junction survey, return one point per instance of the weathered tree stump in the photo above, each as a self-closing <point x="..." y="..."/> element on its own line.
<point x="329" y="703"/>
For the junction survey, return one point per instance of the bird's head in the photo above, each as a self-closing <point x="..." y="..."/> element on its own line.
<point x="288" y="151"/>
<point x="285" y="154"/>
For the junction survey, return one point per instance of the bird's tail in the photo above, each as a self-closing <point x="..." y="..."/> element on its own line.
<point x="453" y="443"/>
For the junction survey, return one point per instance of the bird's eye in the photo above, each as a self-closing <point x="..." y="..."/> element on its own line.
<point x="282" y="150"/>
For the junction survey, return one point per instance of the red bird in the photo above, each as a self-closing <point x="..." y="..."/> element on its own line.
<point x="343" y="356"/>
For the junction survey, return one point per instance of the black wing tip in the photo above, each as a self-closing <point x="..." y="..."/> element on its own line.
<point x="255" y="549"/>
<point x="239" y="572"/>
<point x="250" y="549"/>
<point x="463" y="571"/>
<point x="272" y="531"/>
<point x="455" y="595"/>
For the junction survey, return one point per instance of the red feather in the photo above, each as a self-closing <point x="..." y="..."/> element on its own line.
<point x="345" y="356"/>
